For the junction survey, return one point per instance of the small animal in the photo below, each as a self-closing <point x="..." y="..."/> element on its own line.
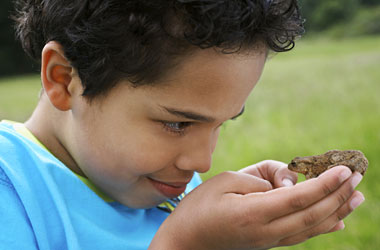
<point x="313" y="166"/>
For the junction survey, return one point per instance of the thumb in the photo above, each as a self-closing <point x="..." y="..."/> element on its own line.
<point x="241" y="183"/>
<point x="285" y="178"/>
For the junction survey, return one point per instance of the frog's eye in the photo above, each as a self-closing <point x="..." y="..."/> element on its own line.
<point x="293" y="165"/>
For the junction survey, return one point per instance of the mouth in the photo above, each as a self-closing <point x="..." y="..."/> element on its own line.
<point x="169" y="189"/>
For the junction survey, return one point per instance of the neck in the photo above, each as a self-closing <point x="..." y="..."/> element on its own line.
<point x="45" y="123"/>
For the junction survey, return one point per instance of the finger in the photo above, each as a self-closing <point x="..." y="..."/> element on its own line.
<point x="251" y="170"/>
<point x="298" y="238"/>
<point x="331" y="207"/>
<point x="292" y="199"/>
<point x="339" y="226"/>
<point x="274" y="171"/>
<point x="285" y="178"/>
<point x="355" y="200"/>
<point x="264" y="169"/>
<point x="331" y="224"/>
<point x="241" y="183"/>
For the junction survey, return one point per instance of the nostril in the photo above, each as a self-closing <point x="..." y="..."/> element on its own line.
<point x="191" y="162"/>
<point x="203" y="167"/>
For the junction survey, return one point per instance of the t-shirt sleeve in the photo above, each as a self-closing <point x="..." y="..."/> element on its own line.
<point x="15" y="231"/>
<point x="195" y="181"/>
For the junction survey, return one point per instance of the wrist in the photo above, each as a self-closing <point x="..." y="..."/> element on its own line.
<point x="169" y="237"/>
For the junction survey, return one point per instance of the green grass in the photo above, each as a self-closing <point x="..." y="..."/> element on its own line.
<point x="323" y="95"/>
<point x="18" y="97"/>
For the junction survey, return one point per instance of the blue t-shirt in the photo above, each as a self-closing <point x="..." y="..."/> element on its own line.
<point x="44" y="205"/>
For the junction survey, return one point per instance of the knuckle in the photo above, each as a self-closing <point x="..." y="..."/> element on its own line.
<point x="339" y="217"/>
<point x="341" y="198"/>
<point x="312" y="234"/>
<point x="296" y="203"/>
<point x="229" y="175"/>
<point x="266" y="162"/>
<point x="292" y="240"/>
<point x="327" y="189"/>
<point x="342" y="213"/>
<point x="258" y="243"/>
<point x="310" y="219"/>
<point x="268" y="185"/>
<point x="263" y="243"/>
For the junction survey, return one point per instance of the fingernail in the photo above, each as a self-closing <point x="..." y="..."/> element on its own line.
<point x="356" y="179"/>
<point x="355" y="202"/>
<point x="342" y="227"/>
<point x="345" y="174"/>
<point x="287" y="182"/>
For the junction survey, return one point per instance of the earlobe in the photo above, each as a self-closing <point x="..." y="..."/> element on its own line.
<point x="56" y="76"/>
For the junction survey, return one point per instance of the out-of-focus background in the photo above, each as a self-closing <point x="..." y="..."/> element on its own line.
<point x="325" y="94"/>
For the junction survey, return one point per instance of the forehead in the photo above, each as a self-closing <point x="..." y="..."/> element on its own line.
<point x="209" y="75"/>
<point x="209" y="82"/>
<point x="210" y="64"/>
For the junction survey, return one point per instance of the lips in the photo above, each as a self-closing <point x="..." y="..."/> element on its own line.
<point x="170" y="190"/>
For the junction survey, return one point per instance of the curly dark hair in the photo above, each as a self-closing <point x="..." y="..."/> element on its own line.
<point x="141" y="40"/>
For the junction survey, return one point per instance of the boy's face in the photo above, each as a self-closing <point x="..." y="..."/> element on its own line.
<point x="142" y="145"/>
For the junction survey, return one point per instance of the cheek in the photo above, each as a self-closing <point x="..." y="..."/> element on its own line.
<point x="136" y="151"/>
<point x="123" y="147"/>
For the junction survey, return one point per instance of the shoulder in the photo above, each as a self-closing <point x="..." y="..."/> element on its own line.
<point x="15" y="147"/>
<point x="10" y="140"/>
<point x="4" y="180"/>
<point x="14" y="219"/>
<point x="15" y="150"/>
<point x="12" y="148"/>
<point x="18" y="159"/>
<point x="25" y="164"/>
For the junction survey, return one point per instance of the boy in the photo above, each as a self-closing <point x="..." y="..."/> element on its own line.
<point x="134" y="94"/>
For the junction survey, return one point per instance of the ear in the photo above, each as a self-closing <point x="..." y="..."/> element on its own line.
<point x="56" y="75"/>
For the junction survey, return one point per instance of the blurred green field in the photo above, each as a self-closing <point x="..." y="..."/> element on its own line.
<point x="323" y="95"/>
<point x="18" y="97"/>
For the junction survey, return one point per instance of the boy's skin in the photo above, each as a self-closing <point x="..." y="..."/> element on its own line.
<point x="135" y="145"/>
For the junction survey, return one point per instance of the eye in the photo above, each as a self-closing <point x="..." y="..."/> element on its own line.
<point x="176" y="127"/>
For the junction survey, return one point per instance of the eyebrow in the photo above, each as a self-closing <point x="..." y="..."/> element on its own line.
<point x="194" y="116"/>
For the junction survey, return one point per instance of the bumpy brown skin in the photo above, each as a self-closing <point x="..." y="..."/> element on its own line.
<point x="313" y="166"/>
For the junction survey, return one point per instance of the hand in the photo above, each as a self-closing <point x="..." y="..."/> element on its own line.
<point x="279" y="175"/>
<point x="241" y="211"/>
<point x="276" y="172"/>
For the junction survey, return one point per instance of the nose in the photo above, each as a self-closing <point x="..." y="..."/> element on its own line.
<point x="196" y="154"/>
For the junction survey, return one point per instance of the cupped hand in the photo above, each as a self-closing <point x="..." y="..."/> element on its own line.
<point x="276" y="172"/>
<point x="241" y="210"/>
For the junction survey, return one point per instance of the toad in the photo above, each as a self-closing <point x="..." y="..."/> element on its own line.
<point x="313" y="166"/>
